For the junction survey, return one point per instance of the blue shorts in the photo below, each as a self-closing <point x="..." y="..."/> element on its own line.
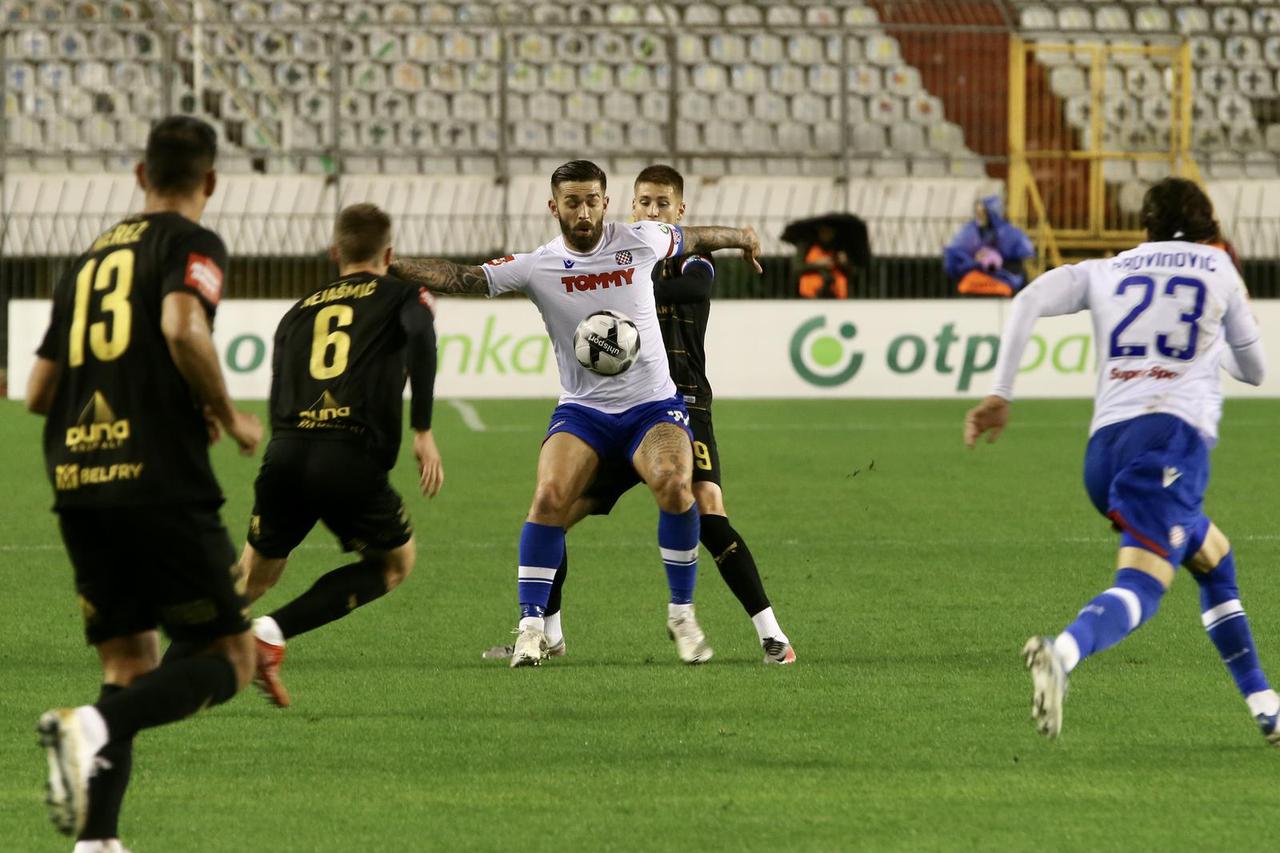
<point x="615" y="438"/>
<point x="1148" y="475"/>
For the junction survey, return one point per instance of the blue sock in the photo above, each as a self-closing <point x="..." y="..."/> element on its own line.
<point x="541" y="550"/>
<point x="678" y="542"/>
<point x="1116" y="613"/>
<point x="1228" y="627"/>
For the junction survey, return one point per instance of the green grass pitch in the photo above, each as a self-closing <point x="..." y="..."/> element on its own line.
<point x="907" y="570"/>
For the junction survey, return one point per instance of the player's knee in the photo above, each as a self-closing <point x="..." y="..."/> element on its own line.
<point x="550" y="503"/>
<point x="672" y="491"/>
<point x="397" y="564"/>
<point x="710" y="499"/>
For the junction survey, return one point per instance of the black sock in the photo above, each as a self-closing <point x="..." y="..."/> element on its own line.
<point x="331" y="597"/>
<point x="737" y="566"/>
<point x="557" y="584"/>
<point x="106" y="787"/>
<point x="173" y="692"/>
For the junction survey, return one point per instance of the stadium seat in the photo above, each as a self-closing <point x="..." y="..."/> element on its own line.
<point x="902" y="80"/>
<point x="1256" y="82"/>
<point x="882" y="50"/>
<point x="1074" y="18"/>
<point x="861" y="16"/>
<point x="1152" y="19"/>
<point x="1242" y="50"/>
<point x="825" y="79"/>
<point x="865" y="80"/>
<point x="783" y="15"/>
<point x="749" y="78"/>
<point x="1230" y="19"/>
<point x="727" y="48"/>
<point x="1068" y="80"/>
<point x="805" y="49"/>
<point x="1034" y="18"/>
<point x="766" y="48"/>
<point x="1192" y="19"/>
<point x="732" y="106"/>
<point x="924" y="109"/>
<point x="1112" y="18"/>
<point x="808" y="108"/>
<point x="768" y="106"/>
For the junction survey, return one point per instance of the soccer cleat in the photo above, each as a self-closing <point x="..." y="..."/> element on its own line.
<point x="691" y="643"/>
<point x="1270" y="726"/>
<point x="530" y="648"/>
<point x="1049" y="685"/>
<point x="70" y="767"/>
<point x="505" y="652"/>
<point x="267" y="673"/>
<point x="777" y="651"/>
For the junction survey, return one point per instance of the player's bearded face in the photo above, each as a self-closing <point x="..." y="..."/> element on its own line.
<point x="580" y="206"/>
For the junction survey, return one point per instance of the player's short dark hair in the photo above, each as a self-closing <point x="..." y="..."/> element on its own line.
<point x="361" y="233"/>
<point x="180" y="153"/>
<point x="661" y="174"/>
<point x="578" y="170"/>
<point x="1177" y="209"/>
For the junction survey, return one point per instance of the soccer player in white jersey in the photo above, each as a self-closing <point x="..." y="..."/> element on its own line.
<point x="636" y="415"/>
<point x="1167" y="316"/>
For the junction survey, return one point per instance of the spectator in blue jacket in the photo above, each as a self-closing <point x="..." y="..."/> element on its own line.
<point x="987" y="255"/>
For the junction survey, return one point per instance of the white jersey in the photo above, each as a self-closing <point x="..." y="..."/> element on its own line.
<point x="1163" y="315"/>
<point x="617" y="275"/>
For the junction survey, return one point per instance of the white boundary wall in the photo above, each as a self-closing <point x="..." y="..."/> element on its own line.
<point x="756" y="349"/>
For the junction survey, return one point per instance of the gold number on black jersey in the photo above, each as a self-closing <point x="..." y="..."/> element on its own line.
<point x="327" y="337"/>
<point x="702" y="456"/>
<point x="114" y="274"/>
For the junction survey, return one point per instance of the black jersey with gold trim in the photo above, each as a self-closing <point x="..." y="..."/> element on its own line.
<point x="123" y="428"/>
<point x="684" y="309"/>
<point x="342" y="354"/>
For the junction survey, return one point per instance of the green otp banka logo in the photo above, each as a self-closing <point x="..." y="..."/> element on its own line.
<point x="824" y="358"/>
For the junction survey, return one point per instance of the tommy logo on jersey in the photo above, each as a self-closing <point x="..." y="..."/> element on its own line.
<point x="622" y="258"/>
<point x="596" y="280"/>
<point x="205" y="276"/>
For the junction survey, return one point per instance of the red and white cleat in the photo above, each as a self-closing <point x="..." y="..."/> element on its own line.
<point x="777" y="651"/>
<point x="267" y="676"/>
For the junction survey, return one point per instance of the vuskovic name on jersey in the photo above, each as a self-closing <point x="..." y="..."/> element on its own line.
<point x="616" y="275"/>
<point x="1162" y="313"/>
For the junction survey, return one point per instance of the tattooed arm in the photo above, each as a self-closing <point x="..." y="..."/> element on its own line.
<point x="441" y="276"/>
<point x="707" y="238"/>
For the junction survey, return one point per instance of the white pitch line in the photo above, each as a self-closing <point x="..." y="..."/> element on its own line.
<point x="470" y="416"/>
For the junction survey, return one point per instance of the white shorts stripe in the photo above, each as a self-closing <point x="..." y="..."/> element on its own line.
<point x="1131" y="603"/>
<point x="1223" y="611"/>
<point x="671" y="555"/>
<point x="532" y="573"/>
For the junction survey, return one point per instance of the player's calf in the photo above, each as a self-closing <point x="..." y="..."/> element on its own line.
<point x="1212" y="564"/>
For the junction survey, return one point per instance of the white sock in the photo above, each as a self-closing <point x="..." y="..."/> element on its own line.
<point x="767" y="626"/>
<point x="1068" y="650"/>
<point x="1263" y="702"/>
<point x="555" y="634"/>
<point x="679" y="611"/>
<point x="93" y="727"/>
<point x="535" y="622"/>
<point x="99" y="845"/>
<point x="266" y="629"/>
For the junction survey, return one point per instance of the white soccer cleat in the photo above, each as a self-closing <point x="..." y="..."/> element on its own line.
<point x="70" y="766"/>
<point x="778" y="651"/>
<point x="691" y="643"/>
<point x="1049" y="685"/>
<point x="505" y="652"/>
<point x="530" y="648"/>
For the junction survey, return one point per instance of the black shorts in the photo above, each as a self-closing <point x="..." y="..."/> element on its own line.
<point x="142" y="567"/>
<point x="616" y="479"/>
<point x="334" y="481"/>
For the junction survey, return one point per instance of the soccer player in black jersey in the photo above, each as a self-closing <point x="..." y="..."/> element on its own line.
<point x="683" y="291"/>
<point x="338" y="371"/>
<point x="129" y="382"/>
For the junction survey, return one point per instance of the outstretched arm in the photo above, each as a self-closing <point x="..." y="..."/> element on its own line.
<point x="440" y="276"/>
<point x="1060" y="291"/>
<point x="708" y="238"/>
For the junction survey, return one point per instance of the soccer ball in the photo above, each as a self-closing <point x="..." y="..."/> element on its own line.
<point x="606" y="342"/>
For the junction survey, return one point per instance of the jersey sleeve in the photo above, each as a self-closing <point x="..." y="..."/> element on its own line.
<point x="509" y="273"/>
<point x="667" y="241"/>
<point x="689" y="282"/>
<point x="195" y="266"/>
<point x="418" y="321"/>
<point x="1239" y="326"/>
<point x="1064" y="290"/>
